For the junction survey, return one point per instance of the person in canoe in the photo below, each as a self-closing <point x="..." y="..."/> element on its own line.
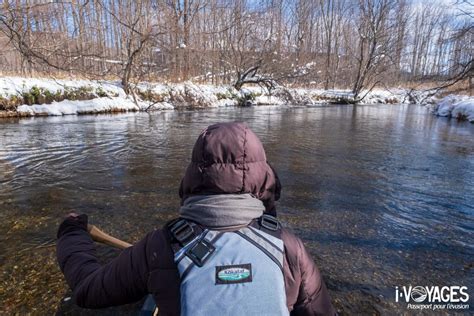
<point x="226" y="253"/>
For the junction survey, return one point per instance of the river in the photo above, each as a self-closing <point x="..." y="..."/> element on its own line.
<point x="382" y="195"/>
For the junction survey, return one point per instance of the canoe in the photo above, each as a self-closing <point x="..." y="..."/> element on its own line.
<point x="149" y="307"/>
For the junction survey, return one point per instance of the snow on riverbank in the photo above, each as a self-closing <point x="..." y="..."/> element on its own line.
<point x="456" y="106"/>
<point x="16" y="86"/>
<point x="98" y="105"/>
<point x="45" y="96"/>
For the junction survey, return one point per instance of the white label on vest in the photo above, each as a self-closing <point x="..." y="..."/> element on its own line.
<point x="232" y="274"/>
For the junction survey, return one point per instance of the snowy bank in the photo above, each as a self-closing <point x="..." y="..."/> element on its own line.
<point x="17" y="86"/>
<point x="98" y="105"/>
<point x="46" y="96"/>
<point x="456" y="106"/>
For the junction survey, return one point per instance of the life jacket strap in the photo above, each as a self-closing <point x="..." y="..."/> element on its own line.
<point x="181" y="231"/>
<point x="269" y="222"/>
<point x="197" y="244"/>
<point x="200" y="251"/>
<point x="191" y="240"/>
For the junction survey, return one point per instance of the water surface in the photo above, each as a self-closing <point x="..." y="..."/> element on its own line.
<point x="383" y="196"/>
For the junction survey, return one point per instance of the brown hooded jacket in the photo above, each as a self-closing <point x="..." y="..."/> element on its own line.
<point x="227" y="158"/>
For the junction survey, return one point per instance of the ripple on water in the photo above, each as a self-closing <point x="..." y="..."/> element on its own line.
<point x="381" y="195"/>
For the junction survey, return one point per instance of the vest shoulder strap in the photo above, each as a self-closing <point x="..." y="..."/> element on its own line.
<point x="268" y="224"/>
<point x="188" y="238"/>
<point x="192" y="240"/>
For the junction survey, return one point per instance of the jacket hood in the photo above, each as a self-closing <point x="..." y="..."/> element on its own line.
<point x="228" y="158"/>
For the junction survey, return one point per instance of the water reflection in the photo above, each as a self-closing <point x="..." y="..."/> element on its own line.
<point x="382" y="195"/>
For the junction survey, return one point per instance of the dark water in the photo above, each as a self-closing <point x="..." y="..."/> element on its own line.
<point x="383" y="196"/>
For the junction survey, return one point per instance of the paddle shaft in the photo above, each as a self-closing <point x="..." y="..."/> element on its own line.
<point x="102" y="237"/>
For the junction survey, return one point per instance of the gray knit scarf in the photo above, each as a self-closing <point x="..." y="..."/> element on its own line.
<point x="222" y="211"/>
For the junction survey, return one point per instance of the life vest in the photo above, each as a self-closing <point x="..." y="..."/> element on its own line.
<point x="230" y="273"/>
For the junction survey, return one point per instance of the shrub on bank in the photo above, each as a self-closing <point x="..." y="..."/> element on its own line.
<point x="40" y="95"/>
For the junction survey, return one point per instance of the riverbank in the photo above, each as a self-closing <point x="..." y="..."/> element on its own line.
<point x="455" y="106"/>
<point x="21" y="97"/>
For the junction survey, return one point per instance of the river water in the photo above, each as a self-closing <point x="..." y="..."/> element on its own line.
<point x="382" y="196"/>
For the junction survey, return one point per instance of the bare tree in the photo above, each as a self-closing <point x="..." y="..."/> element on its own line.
<point x="374" y="31"/>
<point x="354" y="45"/>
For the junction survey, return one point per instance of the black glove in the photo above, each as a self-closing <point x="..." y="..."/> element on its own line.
<point x="71" y="223"/>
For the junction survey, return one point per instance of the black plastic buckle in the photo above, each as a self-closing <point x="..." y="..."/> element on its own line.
<point x="200" y="252"/>
<point x="182" y="231"/>
<point x="269" y="222"/>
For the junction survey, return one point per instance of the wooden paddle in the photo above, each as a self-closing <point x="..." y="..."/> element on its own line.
<point x="102" y="237"/>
